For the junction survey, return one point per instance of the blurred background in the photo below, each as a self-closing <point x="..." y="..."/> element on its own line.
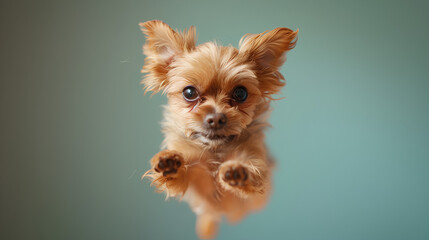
<point x="351" y="136"/>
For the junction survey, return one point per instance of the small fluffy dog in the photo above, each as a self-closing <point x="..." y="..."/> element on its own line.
<point x="219" y="97"/>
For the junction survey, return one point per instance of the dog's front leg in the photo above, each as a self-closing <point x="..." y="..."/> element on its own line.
<point x="244" y="175"/>
<point x="168" y="172"/>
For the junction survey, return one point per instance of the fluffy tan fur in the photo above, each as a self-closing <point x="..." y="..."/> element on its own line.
<point x="228" y="173"/>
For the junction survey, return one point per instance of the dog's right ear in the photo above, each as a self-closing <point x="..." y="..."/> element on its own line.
<point x="162" y="46"/>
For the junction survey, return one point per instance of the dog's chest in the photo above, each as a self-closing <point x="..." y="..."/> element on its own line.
<point x="215" y="159"/>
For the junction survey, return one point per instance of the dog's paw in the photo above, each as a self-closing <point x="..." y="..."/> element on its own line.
<point x="240" y="178"/>
<point x="168" y="173"/>
<point x="236" y="176"/>
<point x="167" y="162"/>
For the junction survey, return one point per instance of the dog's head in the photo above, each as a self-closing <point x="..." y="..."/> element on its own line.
<point x="213" y="90"/>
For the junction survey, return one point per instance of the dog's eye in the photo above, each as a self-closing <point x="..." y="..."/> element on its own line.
<point x="190" y="93"/>
<point x="239" y="94"/>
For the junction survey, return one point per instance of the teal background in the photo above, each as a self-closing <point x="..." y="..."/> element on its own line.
<point x="351" y="137"/>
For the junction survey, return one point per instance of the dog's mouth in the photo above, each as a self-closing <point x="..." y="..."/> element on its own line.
<point x="212" y="137"/>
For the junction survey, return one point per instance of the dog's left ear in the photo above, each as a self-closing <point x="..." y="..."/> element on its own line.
<point x="162" y="46"/>
<point x="267" y="51"/>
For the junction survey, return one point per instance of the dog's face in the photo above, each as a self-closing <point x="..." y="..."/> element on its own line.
<point x="213" y="91"/>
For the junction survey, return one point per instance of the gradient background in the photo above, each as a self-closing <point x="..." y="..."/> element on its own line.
<point x="351" y="138"/>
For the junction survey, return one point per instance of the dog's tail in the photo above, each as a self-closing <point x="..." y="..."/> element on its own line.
<point x="207" y="226"/>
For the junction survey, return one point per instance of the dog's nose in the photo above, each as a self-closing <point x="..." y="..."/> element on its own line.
<point x="215" y="120"/>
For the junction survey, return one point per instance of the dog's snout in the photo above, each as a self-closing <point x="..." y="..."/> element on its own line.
<point x="215" y="120"/>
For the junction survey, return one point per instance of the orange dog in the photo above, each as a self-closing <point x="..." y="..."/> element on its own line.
<point x="219" y="97"/>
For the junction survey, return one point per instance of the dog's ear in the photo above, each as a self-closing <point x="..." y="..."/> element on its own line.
<point x="267" y="51"/>
<point x="162" y="46"/>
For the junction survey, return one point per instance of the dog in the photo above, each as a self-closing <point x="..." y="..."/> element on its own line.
<point x="214" y="155"/>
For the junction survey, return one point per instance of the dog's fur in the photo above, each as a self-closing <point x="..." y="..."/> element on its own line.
<point x="226" y="171"/>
